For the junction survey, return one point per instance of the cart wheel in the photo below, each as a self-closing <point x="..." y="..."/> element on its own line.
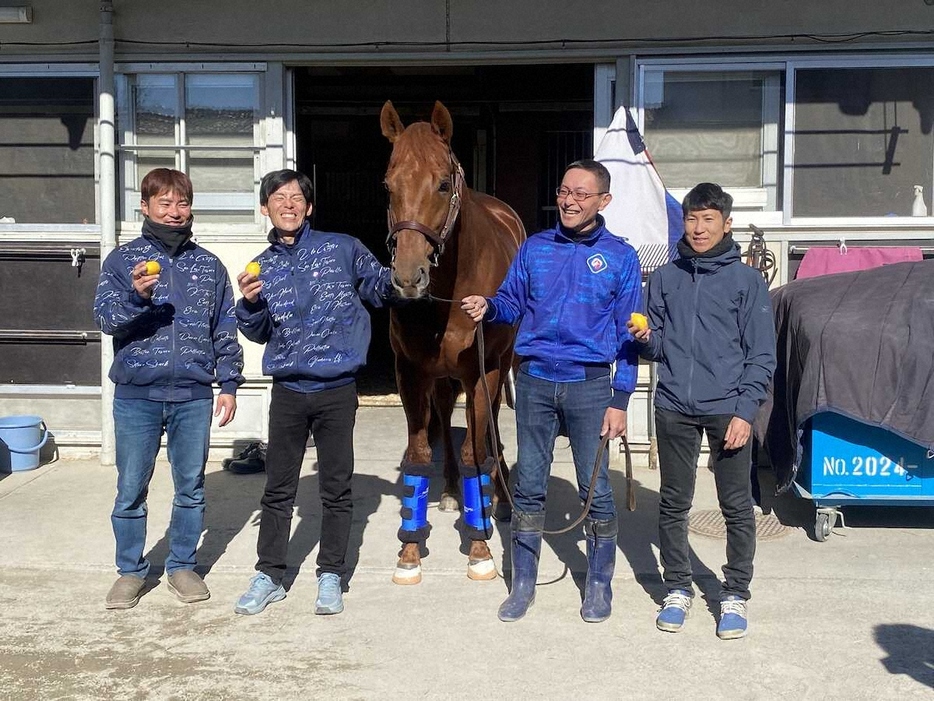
<point x="822" y="526"/>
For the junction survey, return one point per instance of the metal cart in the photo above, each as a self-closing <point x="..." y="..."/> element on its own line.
<point x="846" y="463"/>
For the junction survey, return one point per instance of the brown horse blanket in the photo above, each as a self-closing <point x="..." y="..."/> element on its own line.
<point x="860" y="344"/>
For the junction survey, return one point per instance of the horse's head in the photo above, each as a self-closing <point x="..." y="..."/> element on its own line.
<point x="425" y="184"/>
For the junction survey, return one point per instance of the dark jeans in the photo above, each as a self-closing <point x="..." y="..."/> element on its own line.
<point x="330" y="415"/>
<point x="679" y="441"/>
<point x="541" y="408"/>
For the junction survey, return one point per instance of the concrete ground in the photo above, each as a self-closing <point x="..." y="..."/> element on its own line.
<point x="850" y="618"/>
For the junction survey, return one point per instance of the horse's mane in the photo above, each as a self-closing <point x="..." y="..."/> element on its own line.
<point x="421" y="143"/>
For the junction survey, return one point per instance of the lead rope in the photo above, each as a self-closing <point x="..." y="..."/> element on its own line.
<point x="494" y="445"/>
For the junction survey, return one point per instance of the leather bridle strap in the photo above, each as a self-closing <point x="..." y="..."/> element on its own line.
<point x="429" y="234"/>
<point x="437" y="238"/>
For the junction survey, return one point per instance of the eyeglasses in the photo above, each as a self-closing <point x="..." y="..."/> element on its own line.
<point x="578" y="195"/>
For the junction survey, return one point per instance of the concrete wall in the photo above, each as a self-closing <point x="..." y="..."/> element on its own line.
<point x="312" y="26"/>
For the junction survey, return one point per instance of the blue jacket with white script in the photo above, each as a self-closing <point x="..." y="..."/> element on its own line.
<point x="174" y="346"/>
<point x="309" y="312"/>
<point x="712" y="335"/>
<point x="572" y="299"/>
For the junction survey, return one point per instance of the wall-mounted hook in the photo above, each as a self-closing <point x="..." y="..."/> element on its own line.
<point x="77" y="257"/>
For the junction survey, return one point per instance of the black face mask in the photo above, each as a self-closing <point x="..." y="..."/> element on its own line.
<point x="726" y="244"/>
<point x="173" y="238"/>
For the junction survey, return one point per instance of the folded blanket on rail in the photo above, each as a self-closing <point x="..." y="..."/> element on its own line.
<point x="860" y="344"/>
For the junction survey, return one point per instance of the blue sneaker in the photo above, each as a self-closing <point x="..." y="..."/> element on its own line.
<point x="732" y="618"/>
<point x="262" y="592"/>
<point x="330" y="600"/>
<point x="675" y="608"/>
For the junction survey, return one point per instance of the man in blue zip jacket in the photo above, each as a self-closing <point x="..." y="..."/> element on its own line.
<point x="712" y="334"/>
<point x="306" y="306"/>
<point x="571" y="290"/>
<point x="168" y="304"/>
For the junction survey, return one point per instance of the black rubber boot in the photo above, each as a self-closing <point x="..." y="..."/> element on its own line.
<point x="601" y="562"/>
<point x="526" y="544"/>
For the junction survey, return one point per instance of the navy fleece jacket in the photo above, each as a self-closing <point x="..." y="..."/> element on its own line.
<point x="712" y="335"/>
<point x="310" y="313"/>
<point x="173" y="346"/>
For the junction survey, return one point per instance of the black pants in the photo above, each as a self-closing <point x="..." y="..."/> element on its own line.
<point x="330" y="415"/>
<point x="679" y="442"/>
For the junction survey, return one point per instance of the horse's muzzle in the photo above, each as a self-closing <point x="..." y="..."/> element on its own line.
<point x="414" y="287"/>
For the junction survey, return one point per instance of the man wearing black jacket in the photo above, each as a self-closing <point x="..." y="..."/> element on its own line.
<point x="712" y="334"/>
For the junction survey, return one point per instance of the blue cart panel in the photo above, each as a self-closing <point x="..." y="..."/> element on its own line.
<point x="847" y="462"/>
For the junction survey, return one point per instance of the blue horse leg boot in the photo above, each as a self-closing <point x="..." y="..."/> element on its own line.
<point x="415" y="527"/>
<point x="477" y="488"/>
<point x="601" y="562"/>
<point x="525" y="545"/>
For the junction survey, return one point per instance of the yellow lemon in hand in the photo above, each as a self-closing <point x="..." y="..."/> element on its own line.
<point x="639" y="321"/>
<point x="153" y="267"/>
<point x="253" y="268"/>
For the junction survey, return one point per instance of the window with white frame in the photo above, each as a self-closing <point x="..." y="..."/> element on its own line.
<point x="204" y="124"/>
<point x="863" y="141"/>
<point x="719" y="124"/>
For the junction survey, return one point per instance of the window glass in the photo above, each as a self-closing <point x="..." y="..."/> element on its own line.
<point x="863" y="140"/>
<point x="221" y="171"/>
<point x="47" y="150"/>
<point x="220" y="109"/>
<point x="155" y="98"/>
<point x="717" y="126"/>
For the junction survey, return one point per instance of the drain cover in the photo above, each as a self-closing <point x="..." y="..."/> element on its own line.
<point x="711" y="524"/>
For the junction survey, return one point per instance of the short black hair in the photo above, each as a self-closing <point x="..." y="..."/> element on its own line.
<point x="277" y="178"/>
<point x="707" y="196"/>
<point x="595" y="167"/>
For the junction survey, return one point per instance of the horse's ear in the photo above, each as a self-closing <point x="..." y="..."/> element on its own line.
<point x="441" y="121"/>
<point x="390" y="123"/>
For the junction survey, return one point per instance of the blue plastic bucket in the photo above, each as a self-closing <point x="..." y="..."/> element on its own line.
<point x="21" y="438"/>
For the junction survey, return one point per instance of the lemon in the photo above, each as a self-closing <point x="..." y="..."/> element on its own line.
<point x="153" y="267"/>
<point x="253" y="268"/>
<point x="639" y="321"/>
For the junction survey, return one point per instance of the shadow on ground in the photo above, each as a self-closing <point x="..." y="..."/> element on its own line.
<point x="910" y="651"/>
<point x="233" y="502"/>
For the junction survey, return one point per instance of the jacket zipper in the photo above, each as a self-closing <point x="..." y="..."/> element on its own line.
<point x="299" y="309"/>
<point x="695" y="281"/>
<point x="175" y="359"/>
<point x="561" y="315"/>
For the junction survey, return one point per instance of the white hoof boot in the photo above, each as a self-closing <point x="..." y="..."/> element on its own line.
<point x="481" y="570"/>
<point x="407" y="574"/>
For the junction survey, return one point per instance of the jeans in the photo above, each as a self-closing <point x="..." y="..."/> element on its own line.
<point x="679" y="440"/>
<point x="542" y="407"/>
<point x="330" y="415"/>
<point x="139" y="424"/>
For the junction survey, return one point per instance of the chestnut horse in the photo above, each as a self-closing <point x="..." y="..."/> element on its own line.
<point x="447" y="241"/>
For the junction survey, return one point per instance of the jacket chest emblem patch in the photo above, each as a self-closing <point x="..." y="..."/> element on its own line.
<point x="596" y="263"/>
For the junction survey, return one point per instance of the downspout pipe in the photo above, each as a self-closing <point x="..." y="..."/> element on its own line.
<point x="107" y="207"/>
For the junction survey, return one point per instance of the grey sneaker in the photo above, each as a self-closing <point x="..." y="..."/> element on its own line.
<point x="188" y="586"/>
<point x="125" y="592"/>
<point x="262" y="592"/>
<point x="330" y="600"/>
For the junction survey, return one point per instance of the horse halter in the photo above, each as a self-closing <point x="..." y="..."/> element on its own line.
<point x="437" y="238"/>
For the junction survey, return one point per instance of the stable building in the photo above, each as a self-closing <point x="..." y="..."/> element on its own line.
<point x="819" y="120"/>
